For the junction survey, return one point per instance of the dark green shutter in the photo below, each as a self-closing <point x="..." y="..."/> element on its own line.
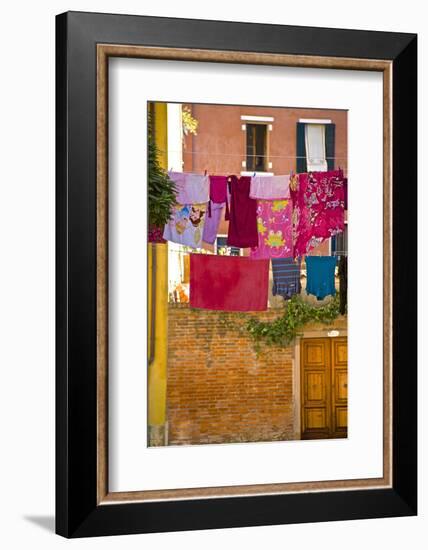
<point x="301" y="165"/>
<point x="330" y="130"/>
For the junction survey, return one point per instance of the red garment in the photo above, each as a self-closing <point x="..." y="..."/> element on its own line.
<point x="318" y="208"/>
<point x="243" y="214"/>
<point x="228" y="283"/>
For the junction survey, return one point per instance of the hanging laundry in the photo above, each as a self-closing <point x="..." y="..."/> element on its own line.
<point x="212" y="221"/>
<point x="218" y="199"/>
<point x="343" y="284"/>
<point x="286" y="277"/>
<point x="228" y="283"/>
<point x="345" y="191"/>
<point x="318" y="208"/>
<point x="270" y="187"/>
<point x="320" y="276"/>
<point x="243" y="214"/>
<point x="191" y="188"/>
<point x="274" y="227"/>
<point x="186" y="224"/>
<point x="218" y="192"/>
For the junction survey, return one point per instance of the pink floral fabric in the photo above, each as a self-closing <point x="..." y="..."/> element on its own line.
<point x="274" y="228"/>
<point x="318" y="208"/>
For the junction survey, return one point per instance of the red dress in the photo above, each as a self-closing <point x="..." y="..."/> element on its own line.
<point x="243" y="214"/>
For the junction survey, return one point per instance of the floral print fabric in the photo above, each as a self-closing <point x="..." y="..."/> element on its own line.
<point x="274" y="227"/>
<point x="186" y="224"/>
<point x="318" y="208"/>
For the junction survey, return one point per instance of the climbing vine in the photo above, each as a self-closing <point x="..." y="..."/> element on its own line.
<point x="284" y="329"/>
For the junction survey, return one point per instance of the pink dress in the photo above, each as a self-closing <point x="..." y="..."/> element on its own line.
<point x="318" y="208"/>
<point x="274" y="228"/>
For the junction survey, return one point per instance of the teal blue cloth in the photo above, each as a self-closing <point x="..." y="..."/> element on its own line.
<point x="320" y="276"/>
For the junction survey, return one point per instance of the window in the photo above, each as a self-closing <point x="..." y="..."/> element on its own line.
<point x="256" y="147"/>
<point x="339" y="243"/>
<point x="223" y="249"/>
<point x="315" y="146"/>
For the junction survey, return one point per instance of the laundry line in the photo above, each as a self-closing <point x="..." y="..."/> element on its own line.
<point x="243" y="155"/>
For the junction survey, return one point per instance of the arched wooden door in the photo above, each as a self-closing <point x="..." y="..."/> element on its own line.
<point x="324" y="387"/>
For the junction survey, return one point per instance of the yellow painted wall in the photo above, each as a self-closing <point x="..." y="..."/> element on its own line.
<point x="158" y="268"/>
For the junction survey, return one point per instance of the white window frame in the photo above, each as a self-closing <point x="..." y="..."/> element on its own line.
<point x="315" y="120"/>
<point x="251" y="118"/>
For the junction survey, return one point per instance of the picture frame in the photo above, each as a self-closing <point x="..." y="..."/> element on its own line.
<point x="84" y="44"/>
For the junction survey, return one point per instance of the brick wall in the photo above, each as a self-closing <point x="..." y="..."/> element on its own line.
<point x="219" y="390"/>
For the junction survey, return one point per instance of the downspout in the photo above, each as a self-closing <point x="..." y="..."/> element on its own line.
<point x="153" y="305"/>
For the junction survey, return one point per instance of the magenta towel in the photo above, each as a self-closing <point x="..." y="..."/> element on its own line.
<point x="228" y="283"/>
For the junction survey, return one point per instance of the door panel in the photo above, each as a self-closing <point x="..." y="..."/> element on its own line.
<point x="315" y="395"/>
<point x="324" y="388"/>
<point x="339" y="394"/>
<point x="315" y="354"/>
<point x="341" y="385"/>
<point x="315" y="419"/>
<point x="341" y="417"/>
<point x="315" y="386"/>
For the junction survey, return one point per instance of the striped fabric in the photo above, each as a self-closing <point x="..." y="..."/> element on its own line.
<point x="286" y="277"/>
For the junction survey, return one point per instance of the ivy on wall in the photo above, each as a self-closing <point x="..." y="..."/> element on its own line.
<point x="296" y="314"/>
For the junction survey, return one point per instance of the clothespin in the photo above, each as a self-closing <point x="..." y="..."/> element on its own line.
<point x="205" y="173"/>
<point x="254" y="175"/>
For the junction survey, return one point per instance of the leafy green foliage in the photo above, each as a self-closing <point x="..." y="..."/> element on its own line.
<point x="161" y="189"/>
<point x="297" y="313"/>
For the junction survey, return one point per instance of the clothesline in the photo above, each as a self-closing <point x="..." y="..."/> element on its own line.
<point x="243" y="155"/>
<point x="207" y="252"/>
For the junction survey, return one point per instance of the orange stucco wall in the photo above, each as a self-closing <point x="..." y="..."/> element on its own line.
<point x="219" y="146"/>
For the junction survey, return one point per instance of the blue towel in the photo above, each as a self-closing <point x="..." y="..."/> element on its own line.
<point x="320" y="276"/>
<point x="286" y="277"/>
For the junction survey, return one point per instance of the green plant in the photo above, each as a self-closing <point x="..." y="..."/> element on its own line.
<point x="297" y="313"/>
<point x="161" y="189"/>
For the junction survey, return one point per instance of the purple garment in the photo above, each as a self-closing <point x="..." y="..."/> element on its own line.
<point x="212" y="221"/>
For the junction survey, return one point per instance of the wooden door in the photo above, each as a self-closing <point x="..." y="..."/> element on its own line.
<point x="324" y="399"/>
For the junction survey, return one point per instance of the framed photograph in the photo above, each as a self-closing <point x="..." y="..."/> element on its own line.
<point x="236" y="274"/>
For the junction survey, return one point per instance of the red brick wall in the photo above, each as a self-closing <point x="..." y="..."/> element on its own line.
<point x="218" y="389"/>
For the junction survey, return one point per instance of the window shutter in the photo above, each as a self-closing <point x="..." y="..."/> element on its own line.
<point x="301" y="165"/>
<point x="330" y="130"/>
